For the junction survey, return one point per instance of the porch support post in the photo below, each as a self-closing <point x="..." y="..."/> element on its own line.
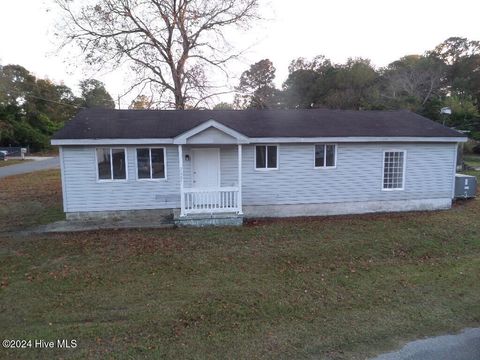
<point x="180" y="169"/>
<point x="240" y="211"/>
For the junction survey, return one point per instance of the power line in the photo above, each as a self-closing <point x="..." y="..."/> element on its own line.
<point x="55" y="102"/>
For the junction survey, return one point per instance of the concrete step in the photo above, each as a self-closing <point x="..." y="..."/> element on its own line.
<point x="214" y="219"/>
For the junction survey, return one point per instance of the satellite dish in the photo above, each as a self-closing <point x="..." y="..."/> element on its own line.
<point x="446" y="110"/>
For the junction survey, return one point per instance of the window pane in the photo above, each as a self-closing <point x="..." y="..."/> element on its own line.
<point x="260" y="157"/>
<point x="119" y="168"/>
<point x="143" y="163"/>
<point x="158" y="164"/>
<point x="330" y="155"/>
<point x="319" y="155"/>
<point x="103" y="158"/>
<point x="393" y="170"/>
<point x="272" y="157"/>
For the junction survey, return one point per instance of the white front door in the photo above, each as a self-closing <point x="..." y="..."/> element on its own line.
<point x="206" y="168"/>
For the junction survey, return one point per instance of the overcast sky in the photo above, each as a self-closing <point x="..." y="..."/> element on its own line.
<point x="381" y="30"/>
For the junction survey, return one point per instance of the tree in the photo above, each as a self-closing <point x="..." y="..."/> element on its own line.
<point x="317" y="64"/>
<point x="141" y="102"/>
<point x="453" y="49"/>
<point x="57" y="102"/>
<point x="413" y="80"/>
<point x="354" y="86"/>
<point x="256" y="89"/>
<point x="18" y="128"/>
<point x="462" y="59"/>
<point x="170" y="44"/>
<point x="308" y="82"/>
<point x="31" y="109"/>
<point x="16" y="83"/>
<point x="319" y="83"/>
<point x="303" y="89"/>
<point x="94" y="94"/>
<point x="464" y="111"/>
<point x="223" y="106"/>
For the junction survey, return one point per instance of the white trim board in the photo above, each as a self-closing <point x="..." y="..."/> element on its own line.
<point x="64" y="183"/>
<point x="111" y="141"/>
<point x="245" y="140"/>
<point x="356" y="139"/>
<point x="454" y="170"/>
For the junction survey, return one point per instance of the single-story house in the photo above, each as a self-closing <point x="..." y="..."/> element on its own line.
<point x="255" y="163"/>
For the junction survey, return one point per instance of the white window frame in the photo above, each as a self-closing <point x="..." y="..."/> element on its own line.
<point x="266" y="157"/>
<point x="111" y="164"/>
<point x="325" y="167"/>
<point x="150" y="153"/>
<point x="403" y="173"/>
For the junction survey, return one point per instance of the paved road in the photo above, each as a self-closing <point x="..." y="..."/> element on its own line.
<point x="463" y="346"/>
<point x="29" y="166"/>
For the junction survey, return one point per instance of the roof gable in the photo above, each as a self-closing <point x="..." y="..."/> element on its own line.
<point x="203" y="134"/>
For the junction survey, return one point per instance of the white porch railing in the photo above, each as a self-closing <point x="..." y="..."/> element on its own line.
<point x="211" y="200"/>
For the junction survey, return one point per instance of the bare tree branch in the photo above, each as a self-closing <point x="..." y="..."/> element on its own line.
<point x="170" y="44"/>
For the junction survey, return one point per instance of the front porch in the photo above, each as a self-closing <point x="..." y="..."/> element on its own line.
<point x="210" y="179"/>
<point x="210" y="168"/>
<point x="211" y="200"/>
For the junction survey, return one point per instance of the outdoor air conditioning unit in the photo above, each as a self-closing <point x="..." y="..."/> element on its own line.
<point x="465" y="186"/>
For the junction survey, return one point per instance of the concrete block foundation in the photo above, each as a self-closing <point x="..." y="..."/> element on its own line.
<point x="345" y="208"/>
<point x="157" y="215"/>
<point x="172" y="216"/>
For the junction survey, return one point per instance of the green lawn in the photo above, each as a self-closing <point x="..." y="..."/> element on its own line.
<point x="472" y="160"/>
<point x="331" y="288"/>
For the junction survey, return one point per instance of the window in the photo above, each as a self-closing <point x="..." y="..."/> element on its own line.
<point x="112" y="164"/>
<point x="151" y="163"/>
<point x="325" y="155"/>
<point x="266" y="157"/>
<point x="393" y="170"/>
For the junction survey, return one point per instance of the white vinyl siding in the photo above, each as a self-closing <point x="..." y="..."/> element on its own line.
<point x="358" y="177"/>
<point x="85" y="193"/>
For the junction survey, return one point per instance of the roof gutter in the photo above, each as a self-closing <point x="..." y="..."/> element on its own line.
<point x="349" y="139"/>
<point x="358" y="139"/>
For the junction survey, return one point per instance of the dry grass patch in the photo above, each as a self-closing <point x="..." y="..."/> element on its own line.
<point x="30" y="199"/>
<point x="331" y="288"/>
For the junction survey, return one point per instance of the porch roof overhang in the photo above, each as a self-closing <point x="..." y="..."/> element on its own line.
<point x="235" y="136"/>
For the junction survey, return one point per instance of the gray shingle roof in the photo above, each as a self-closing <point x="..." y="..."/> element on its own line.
<point x="137" y="124"/>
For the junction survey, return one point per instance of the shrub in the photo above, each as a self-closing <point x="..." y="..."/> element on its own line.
<point x="476" y="149"/>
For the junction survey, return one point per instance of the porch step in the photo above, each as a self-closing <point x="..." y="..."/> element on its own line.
<point x="201" y="220"/>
